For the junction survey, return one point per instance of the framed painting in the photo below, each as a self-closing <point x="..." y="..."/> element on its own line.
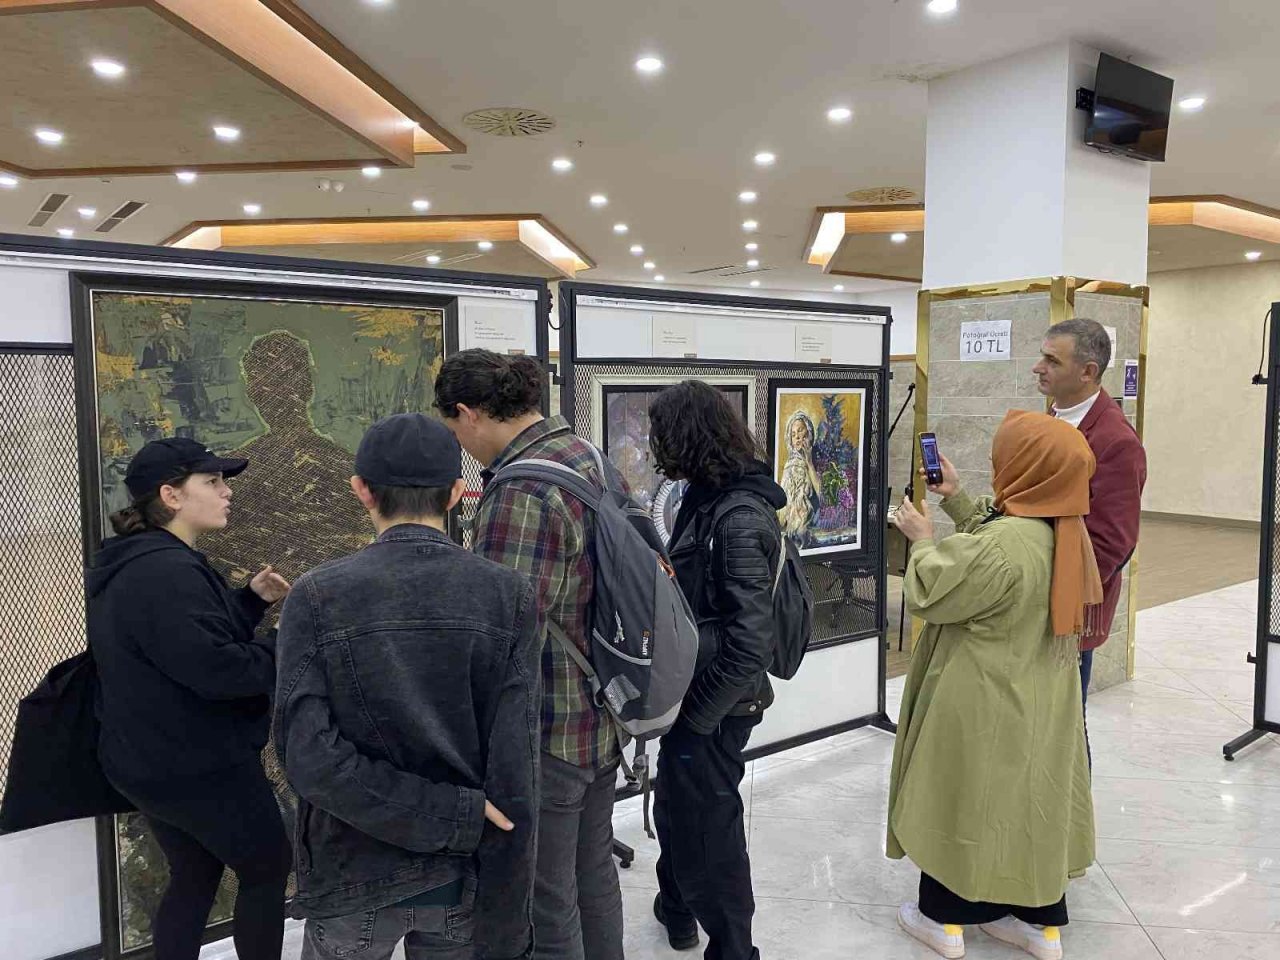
<point x="621" y="424"/>
<point x="817" y="433"/>
<point x="286" y="377"/>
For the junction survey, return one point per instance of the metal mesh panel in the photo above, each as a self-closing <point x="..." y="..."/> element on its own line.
<point x="846" y="591"/>
<point x="1273" y="521"/>
<point x="41" y="579"/>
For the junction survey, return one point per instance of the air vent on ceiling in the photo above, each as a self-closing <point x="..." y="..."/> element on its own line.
<point x="509" y="121"/>
<point x="52" y="204"/>
<point x="883" y="195"/>
<point x="729" y="270"/>
<point x="125" y="211"/>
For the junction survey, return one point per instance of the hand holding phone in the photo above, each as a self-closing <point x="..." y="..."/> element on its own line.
<point x="937" y="470"/>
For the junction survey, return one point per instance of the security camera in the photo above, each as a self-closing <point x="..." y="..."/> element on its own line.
<point x="324" y="185"/>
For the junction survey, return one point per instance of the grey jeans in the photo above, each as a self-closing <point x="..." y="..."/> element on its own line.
<point x="438" y="933"/>
<point x="577" y="902"/>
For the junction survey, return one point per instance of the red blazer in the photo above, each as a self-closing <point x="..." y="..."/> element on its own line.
<point x="1115" y="501"/>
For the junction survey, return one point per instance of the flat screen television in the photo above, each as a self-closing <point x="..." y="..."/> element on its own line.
<point x="1130" y="110"/>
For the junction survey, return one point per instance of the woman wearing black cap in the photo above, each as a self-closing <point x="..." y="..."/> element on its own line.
<point x="184" y="699"/>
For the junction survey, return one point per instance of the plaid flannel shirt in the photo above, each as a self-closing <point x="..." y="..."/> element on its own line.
<point x="537" y="530"/>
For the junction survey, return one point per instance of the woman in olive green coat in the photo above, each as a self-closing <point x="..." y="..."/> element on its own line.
<point x="990" y="789"/>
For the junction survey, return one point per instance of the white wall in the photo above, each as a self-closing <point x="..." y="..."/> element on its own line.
<point x="1204" y="419"/>
<point x="1010" y="191"/>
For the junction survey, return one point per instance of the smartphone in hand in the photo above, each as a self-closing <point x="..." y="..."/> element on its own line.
<point x="931" y="459"/>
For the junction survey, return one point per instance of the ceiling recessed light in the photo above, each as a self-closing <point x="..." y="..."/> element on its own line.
<point x="620" y="228"/>
<point x="839" y="114"/>
<point x="753" y="264"/>
<point x="485" y="244"/>
<point x="226" y="133"/>
<point x="107" y="68"/>
<point x="838" y="288"/>
<point x="253" y="209"/>
<point x="755" y="283"/>
<point x="7" y="181"/>
<point x="51" y="137"/>
<point x="599" y="200"/>
<point x="637" y="249"/>
<point x="562" y="164"/>
<point x="1253" y="255"/>
<point x="87" y="213"/>
<point x="649" y="265"/>
<point x="371" y="171"/>
<point x="942" y="6"/>
<point x="186" y="176"/>
<point x="649" y="65"/>
<point x="752" y="247"/>
<point x="658" y="278"/>
<point x="1191" y="103"/>
<point x="66" y="232"/>
<point x="749" y="225"/>
<point x="747" y="196"/>
<point x="434" y="258"/>
<point x="898" y="237"/>
<point x="422" y="205"/>
<point x="765" y="159"/>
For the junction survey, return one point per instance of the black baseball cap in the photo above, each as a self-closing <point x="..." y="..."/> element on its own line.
<point x="409" y="450"/>
<point x="163" y="461"/>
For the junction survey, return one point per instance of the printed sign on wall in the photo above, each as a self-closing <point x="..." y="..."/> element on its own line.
<point x="1131" y="379"/>
<point x="986" y="340"/>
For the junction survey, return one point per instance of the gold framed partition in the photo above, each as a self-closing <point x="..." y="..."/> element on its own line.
<point x="1048" y="300"/>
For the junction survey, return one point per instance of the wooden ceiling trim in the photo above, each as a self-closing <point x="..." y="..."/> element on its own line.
<point x="534" y="232"/>
<point x="286" y="48"/>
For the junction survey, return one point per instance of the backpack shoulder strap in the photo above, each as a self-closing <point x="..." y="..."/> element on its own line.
<point x="548" y="471"/>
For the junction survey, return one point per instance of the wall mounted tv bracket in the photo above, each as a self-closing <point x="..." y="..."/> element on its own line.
<point x="1084" y="99"/>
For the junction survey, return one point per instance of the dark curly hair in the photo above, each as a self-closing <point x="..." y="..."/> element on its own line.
<point x="696" y="434"/>
<point x="503" y="387"/>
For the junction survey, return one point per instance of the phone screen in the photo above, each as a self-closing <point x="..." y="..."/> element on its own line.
<point x="932" y="463"/>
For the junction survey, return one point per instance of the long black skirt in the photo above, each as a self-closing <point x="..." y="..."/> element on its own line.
<point x="942" y="906"/>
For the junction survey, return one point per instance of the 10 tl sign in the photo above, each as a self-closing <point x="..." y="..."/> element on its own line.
<point x="986" y="340"/>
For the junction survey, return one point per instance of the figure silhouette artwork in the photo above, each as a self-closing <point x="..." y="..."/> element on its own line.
<point x="293" y="507"/>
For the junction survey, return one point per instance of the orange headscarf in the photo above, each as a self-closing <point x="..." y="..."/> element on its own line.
<point x="1042" y="469"/>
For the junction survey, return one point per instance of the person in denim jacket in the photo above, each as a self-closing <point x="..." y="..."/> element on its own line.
<point x="407" y="721"/>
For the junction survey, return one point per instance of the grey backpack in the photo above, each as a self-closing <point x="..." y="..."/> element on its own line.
<point x="644" y="639"/>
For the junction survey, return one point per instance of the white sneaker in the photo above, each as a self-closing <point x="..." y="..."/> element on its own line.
<point x="945" y="939"/>
<point x="1044" y="943"/>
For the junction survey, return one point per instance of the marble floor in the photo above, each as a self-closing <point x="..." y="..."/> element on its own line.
<point x="1188" y="845"/>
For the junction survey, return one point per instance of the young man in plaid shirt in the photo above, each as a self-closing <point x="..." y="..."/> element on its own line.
<point x="493" y="404"/>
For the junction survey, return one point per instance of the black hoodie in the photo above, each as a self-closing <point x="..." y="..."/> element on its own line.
<point x="725" y="549"/>
<point x="184" y="684"/>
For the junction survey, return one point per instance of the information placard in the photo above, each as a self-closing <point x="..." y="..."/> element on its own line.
<point x="1131" y="379"/>
<point x="813" y="343"/>
<point x="986" y="340"/>
<point x="675" y="335"/>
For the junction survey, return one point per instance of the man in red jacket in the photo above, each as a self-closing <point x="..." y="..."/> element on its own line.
<point x="1076" y="355"/>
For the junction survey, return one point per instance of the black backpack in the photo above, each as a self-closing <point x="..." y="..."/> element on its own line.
<point x="792" y="602"/>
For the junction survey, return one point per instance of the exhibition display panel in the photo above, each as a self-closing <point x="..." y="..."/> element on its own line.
<point x="282" y="361"/>
<point x="1266" y="655"/>
<point x="812" y="381"/>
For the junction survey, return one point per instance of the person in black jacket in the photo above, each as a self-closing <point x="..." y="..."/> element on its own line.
<point x="184" y="699"/>
<point x="725" y="547"/>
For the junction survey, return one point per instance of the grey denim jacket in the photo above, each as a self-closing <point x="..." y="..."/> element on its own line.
<point x="407" y="695"/>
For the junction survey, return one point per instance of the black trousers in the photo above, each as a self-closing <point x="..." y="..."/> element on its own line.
<point x="704" y="872"/>
<point x="942" y="906"/>
<point x="204" y="824"/>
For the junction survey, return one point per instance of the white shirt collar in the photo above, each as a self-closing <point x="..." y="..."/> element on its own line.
<point x="1075" y="415"/>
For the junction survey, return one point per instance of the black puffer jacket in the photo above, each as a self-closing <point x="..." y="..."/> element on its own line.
<point x="725" y="549"/>
<point x="184" y="684"/>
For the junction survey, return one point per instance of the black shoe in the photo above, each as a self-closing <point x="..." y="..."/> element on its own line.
<point x="682" y="939"/>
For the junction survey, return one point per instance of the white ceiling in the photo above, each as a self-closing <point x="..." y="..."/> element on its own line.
<point x="673" y="151"/>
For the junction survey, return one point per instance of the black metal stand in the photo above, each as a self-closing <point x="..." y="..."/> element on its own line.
<point x="910" y="491"/>
<point x="1230" y="750"/>
<point x="1268" y="575"/>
